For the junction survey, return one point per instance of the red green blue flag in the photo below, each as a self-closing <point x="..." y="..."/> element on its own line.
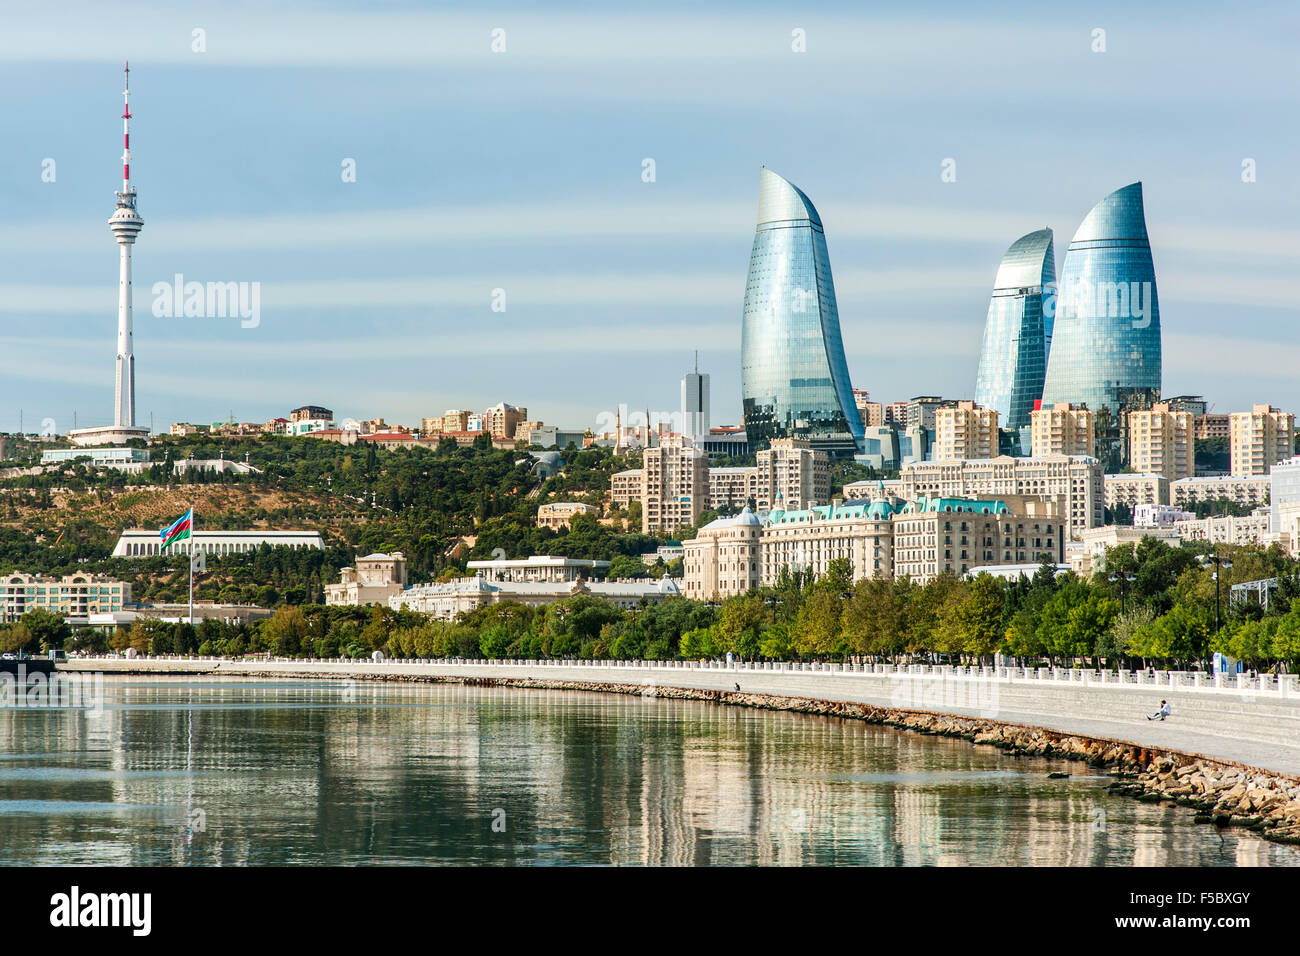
<point x="177" y="530"/>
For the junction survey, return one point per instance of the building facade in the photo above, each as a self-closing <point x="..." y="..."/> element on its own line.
<point x="1135" y="489"/>
<point x="1162" y="441"/>
<point x="1246" y="490"/>
<point x="934" y="536"/>
<point x="794" y="376"/>
<point x="556" y="515"/>
<point x="675" y="486"/>
<point x="73" y="596"/>
<point x="143" y="543"/>
<point x="1062" y="429"/>
<point x="1259" y="439"/>
<point x="1013" y="360"/>
<point x="1074" y="482"/>
<point x="373" y="580"/>
<point x="965" y="430"/>
<point x="724" y="559"/>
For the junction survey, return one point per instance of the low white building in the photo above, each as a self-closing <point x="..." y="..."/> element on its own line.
<point x="546" y="568"/>
<point x="143" y="543"/>
<point x="1231" y="529"/>
<point x="1159" y="516"/>
<point x="449" y="600"/>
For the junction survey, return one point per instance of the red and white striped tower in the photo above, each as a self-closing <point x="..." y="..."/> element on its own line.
<point x="126" y="225"/>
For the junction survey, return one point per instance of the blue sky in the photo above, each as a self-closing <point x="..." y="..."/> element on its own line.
<point x="522" y="171"/>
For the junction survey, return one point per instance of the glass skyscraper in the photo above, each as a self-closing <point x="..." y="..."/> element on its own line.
<point x="1013" y="361"/>
<point x="1105" y="349"/>
<point x="794" y="378"/>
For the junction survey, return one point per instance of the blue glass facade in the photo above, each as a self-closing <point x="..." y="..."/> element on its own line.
<point x="794" y="378"/>
<point x="1013" y="361"/>
<point x="1106" y="342"/>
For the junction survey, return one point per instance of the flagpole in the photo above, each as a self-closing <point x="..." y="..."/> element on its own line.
<point x="191" y="549"/>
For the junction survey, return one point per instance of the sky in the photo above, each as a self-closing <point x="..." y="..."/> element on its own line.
<point x="524" y="171"/>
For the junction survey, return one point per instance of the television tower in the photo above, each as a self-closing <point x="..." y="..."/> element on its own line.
<point x="126" y="225"/>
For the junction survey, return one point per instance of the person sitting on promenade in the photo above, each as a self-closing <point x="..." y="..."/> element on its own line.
<point x="1163" y="712"/>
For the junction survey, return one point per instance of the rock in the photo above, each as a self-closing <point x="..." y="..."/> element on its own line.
<point x="1057" y="775"/>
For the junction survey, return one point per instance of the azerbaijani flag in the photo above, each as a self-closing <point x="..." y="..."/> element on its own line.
<point x="178" y="529"/>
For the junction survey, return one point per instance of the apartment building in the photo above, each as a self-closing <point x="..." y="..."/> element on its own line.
<point x="1162" y="441"/>
<point x="74" y="596"/>
<point x="1259" y="439"/>
<point x="1062" y="429"/>
<point x="1135" y="489"/>
<point x="556" y="515"/>
<point x="1073" y="481"/>
<point x="502" y="420"/>
<point x="675" y="485"/>
<point x="965" y="430"/>
<point x="625" y="486"/>
<point x="1251" y="490"/>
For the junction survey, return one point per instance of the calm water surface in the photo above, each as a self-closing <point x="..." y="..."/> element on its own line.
<point x="180" y="771"/>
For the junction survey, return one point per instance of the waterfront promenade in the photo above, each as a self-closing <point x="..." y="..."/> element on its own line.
<point x="1254" y="722"/>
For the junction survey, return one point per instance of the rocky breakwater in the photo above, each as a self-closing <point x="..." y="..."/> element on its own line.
<point x="1225" y="795"/>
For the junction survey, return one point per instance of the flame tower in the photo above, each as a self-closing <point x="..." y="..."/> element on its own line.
<point x="126" y="225"/>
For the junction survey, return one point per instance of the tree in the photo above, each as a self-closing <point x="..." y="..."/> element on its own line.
<point x="978" y="618"/>
<point x="741" y="625"/>
<point x="286" y="632"/>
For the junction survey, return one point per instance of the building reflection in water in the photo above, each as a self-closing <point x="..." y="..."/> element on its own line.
<point x="247" y="772"/>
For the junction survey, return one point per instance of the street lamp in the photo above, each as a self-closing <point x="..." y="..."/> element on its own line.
<point x="1219" y="563"/>
<point x="1124" y="582"/>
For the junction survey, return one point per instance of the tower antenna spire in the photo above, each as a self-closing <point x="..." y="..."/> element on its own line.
<point x="126" y="130"/>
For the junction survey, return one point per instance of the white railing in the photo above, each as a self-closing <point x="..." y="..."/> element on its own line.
<point x="1279" y="685"/>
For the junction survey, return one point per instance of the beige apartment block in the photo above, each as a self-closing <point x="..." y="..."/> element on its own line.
<point x="1253" y="528"/>
<point x="1161" y="441"/>
<point x="1073" y="481"/>
<point x="871" y="413"/>
<point x="556" y="515"/>
<point x="724" y="559"/>
<point x="675" y="485"/>
<point x="625" y="486"/>
<point x="1213" y="426"/>
<point x="1252" y="490"/>
<point x="1134" y="490"/>
<point x="792" y="474"/>
<point x="733" y="487"/>
<point x="501" y="420"/>
<point x="965" y="430"/>
<point x="1063" y="429"/>
<point x="1260" y="438"/>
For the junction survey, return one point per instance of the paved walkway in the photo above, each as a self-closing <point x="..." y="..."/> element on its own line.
<point x="1257" y="729"/>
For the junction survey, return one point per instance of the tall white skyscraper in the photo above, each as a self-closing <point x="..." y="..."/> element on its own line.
<point x="126" y="225"/>
<point x="695" y="402"/>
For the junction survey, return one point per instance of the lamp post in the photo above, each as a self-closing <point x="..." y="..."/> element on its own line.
<point x="1124" y="581"/>
<point x="1219" y="563"/>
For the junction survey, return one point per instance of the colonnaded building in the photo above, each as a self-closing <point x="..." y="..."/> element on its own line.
<point x="143" y="543"/>
<point x="883" y="537"/>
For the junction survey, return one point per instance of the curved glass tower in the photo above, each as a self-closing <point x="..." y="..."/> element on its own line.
<point x="1105" y="350"/>
<point x="794" y="379"/>
<point x="1014" y="359"/>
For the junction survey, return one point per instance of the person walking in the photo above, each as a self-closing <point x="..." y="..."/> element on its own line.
<point x="1163" y="712"/>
